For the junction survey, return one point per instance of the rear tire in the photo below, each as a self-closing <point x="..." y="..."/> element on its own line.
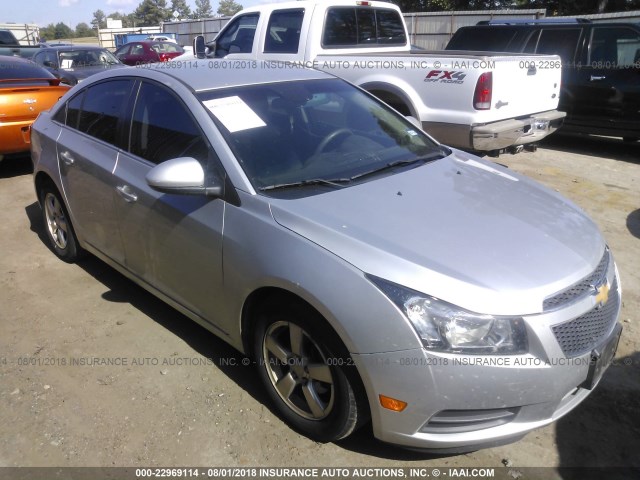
<point x="58" y="227"/>
<point x="308" y="374"/>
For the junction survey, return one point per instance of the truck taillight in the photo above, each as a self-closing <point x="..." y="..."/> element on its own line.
<point x="484" y="89"/>
<point x="363" y="4"/>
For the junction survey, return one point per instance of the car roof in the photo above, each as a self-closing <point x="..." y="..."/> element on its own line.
<point x="70" y="48"/>
<point x="17" y="67"/>
<point x="202" y="75"/>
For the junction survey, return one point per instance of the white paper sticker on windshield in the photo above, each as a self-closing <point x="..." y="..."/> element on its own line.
<point x="234" y="114"/>
<point x="66" y="63"/>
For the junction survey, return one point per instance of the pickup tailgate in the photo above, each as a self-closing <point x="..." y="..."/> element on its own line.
<point x="524" y="85"/>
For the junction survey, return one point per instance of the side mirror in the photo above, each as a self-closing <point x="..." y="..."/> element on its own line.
<point x="182" y="176"/>
<point x="199" y="47"/>
<point x="48" y="63"/>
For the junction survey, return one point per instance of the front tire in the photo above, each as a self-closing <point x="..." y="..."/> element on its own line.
<point x="308" y="374"/>
<point x="60" y="233"/>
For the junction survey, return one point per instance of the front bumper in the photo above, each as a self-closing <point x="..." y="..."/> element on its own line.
<point x="458" y="403"/>
<point x="462" y="407"/>
<point x="507" y="133"/>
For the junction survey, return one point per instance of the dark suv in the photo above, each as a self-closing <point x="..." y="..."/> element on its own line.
<point x="601" y="67"/>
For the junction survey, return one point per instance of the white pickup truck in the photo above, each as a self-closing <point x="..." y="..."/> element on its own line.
<point x="476" y="101"/>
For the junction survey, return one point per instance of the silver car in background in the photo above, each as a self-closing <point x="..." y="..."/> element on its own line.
<point x="370" y="272"/>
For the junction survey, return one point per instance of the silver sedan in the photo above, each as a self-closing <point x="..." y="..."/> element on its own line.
<point x="370" y="272"/>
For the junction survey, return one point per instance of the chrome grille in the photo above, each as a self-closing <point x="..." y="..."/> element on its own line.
<point x="584" y="333"/>
<point x="580" y="289"/>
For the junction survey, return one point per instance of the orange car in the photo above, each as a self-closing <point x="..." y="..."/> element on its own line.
<point x="26" y="89"/>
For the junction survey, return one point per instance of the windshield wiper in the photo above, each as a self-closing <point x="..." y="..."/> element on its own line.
<point x="334" y="182"/>
<point x="399" y="163"/>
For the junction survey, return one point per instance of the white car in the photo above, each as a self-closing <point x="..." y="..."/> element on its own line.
<point x="161" y="38"/>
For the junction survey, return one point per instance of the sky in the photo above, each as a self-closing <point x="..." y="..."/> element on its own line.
<point x="72" y="12"/>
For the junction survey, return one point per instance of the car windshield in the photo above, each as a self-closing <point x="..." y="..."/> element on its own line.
<point x="86" y="58"/>
<point x="315" y="132"/>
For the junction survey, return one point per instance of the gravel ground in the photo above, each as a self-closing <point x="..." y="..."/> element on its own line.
<point x="180" y="396"/>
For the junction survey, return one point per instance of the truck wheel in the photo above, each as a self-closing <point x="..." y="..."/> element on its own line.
<point x="62" y="238"/>
<point x="305" y="367"/>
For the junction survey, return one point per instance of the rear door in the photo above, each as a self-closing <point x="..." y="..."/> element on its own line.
<point x="173" y="242"/>
<point x="607" y="92"/>
<point x="87" y="152"/>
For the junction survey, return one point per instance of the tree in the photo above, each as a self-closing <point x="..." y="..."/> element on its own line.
<point x="99" y="20"/>
<point x="48" y="33"/>
<point x="62" y="31"/>
<point x="203" y="9"/>
<point x="151" y="13"/>
<point x="181" y="7"/>
<point x="229" y="7"/>
<point x="84" y="30"/>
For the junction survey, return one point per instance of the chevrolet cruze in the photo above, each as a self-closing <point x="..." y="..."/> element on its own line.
<point x="372" y="273"/>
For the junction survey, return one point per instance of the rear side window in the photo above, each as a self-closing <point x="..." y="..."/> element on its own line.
<point x="162" y="127"/>
<point x="284" y="31"/>
<point x="559" y="41"/>
<point x="346" y="26"/>
<point x="614" y="47"/>
<point x="104" y="104"/>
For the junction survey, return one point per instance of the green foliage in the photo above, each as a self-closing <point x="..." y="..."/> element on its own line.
<point x="63" y="31"/>
<point x="99" y="20"/>
<point x="151" y="13"/>
<point x="48" y="33"/>
<point x="84" y="30"/>
<point x="182" y="8"/>
<point x="203" y="9"/>
<point x="229" y="7"/>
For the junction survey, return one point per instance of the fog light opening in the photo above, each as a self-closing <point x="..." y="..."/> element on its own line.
<point x="392" y="403"/>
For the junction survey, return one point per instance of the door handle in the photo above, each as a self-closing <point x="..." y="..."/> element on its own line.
<point x="67" y="158"/>
<point x="124" y="192"/>
<point x="595" y="78"/>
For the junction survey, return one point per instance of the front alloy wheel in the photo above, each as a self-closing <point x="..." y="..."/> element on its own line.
<point x="298" y="370"/>
<point x="309" y="374"/>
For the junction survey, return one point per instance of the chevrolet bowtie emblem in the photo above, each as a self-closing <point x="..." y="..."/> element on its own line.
<point x="602" y="294"/>
<point x="29" y="101"/>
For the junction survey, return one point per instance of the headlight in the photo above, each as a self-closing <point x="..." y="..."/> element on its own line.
<point x="447" y="328"/>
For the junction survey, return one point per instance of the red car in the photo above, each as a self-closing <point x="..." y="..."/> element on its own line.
<point x="138" y="53"/>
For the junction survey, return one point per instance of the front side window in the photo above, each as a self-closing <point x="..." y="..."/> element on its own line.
<point x="163" y="129"/>
<point x="614" y="47"/>
<point x="284" y="31"/>
<point x="103" y="106"/>
<point x="238" y="36"/>
<point x="347" y="26"/>
<point x="292" y="132"/>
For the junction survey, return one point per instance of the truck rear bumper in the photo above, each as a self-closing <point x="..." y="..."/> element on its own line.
<point x="497" y="135"/>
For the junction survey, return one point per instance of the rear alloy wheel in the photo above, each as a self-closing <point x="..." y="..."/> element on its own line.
<point x="58" y="226"/>
<point x="310" y="385"/>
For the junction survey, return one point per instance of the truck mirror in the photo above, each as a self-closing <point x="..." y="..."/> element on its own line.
<point x="199" y="48"/>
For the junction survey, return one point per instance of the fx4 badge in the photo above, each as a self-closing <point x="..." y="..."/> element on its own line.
<point x="445" y="76"/>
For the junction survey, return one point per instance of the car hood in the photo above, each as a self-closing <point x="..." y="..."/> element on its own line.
<point x="461" y="229"/>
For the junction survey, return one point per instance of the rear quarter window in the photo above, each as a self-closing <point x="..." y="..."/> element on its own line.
<point x="352" y="27"/>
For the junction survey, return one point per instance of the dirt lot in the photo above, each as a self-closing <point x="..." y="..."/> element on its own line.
<point x="166" y="404"/>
